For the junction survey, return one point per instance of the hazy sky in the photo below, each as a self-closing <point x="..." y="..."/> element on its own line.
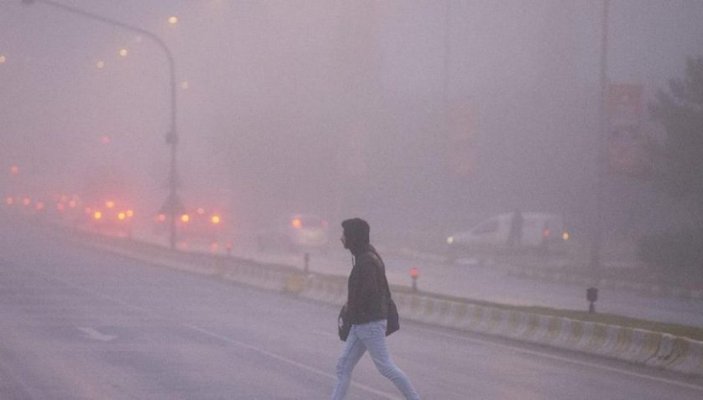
<point x="333" y="107"/>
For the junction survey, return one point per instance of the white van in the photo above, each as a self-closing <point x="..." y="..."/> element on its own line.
<point x="540" y="232"/>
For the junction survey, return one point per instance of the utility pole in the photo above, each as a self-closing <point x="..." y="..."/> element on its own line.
<point x="595" y="261"/>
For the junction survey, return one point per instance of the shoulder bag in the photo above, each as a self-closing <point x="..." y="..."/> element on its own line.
<point x="393" y="323"/>
<point x="343" y="324"/>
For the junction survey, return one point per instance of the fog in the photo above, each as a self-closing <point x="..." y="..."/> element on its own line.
<point x="339" y="108"/>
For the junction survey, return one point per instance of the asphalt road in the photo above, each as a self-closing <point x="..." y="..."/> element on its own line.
<point x="77" y="324"/>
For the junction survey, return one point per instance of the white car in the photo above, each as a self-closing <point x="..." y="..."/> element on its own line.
<point x="297" y="232"/>
<point x="540" y="232"/>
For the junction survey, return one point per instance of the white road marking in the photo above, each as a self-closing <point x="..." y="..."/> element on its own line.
<point x="93" y="334"/>
<point x="323" y="333"/>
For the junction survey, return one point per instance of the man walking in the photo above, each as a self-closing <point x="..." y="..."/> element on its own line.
<point x="367" y="309"/>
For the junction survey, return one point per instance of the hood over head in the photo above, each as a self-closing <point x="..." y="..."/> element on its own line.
<point x="356" y="233"/>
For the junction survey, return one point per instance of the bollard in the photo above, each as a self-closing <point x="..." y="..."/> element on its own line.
<point x="592" y="296"/>
<point x="414" y="274"/>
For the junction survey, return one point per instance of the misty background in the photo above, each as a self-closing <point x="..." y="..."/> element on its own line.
<point x="418" y="115"/>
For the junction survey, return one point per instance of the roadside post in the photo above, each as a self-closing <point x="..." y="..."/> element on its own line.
<point x="592" y="296"/>
<point x="414" y="274"/>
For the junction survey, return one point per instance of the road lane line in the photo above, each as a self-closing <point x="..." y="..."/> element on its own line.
<point x="94" y="334"/>
<point x="565" y="359"/>
<point x="323" y="333"/>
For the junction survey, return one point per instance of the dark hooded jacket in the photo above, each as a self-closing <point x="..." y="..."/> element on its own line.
<point x="368" y="292"/>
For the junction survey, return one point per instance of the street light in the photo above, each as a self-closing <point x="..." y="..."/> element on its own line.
<point x="172" y="136"/>
<point x="596" y="241"/>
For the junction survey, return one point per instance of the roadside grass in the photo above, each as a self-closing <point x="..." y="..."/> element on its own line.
<point x="692" y="332"/>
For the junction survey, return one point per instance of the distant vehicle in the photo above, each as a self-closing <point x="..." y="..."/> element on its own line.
<point x="24" y="205"/>
<point x="109" y="217"/>
<point x="26" y="200"/>
<point x="107" y="198"/>
<point x="297" y="232"/>
<point x="197" y="226"/>
<point x="64" y="209"/>
<point x="52" y="208"/>
<point x="541" y="233"/>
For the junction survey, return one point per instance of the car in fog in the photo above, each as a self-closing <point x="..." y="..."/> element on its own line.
<point x="296" y="232"/>
<point x="25" y="205"/>
<point x="66" y="208"/>
<point x="539" y="233"/>
<point x="109" y="217"/>
<point x="198" y="226"/>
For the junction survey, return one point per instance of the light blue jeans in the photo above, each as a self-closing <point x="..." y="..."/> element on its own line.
<point x="372" y="337"/>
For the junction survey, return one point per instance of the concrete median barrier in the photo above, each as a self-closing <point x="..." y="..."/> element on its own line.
<point x="690" y="357"/>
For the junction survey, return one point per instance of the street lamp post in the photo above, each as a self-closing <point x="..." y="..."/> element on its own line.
<point x="172" y="136"/>
<point x="595" y="257"/>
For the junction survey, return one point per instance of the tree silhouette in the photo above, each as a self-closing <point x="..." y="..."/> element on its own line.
<point x="680" y="110"/>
